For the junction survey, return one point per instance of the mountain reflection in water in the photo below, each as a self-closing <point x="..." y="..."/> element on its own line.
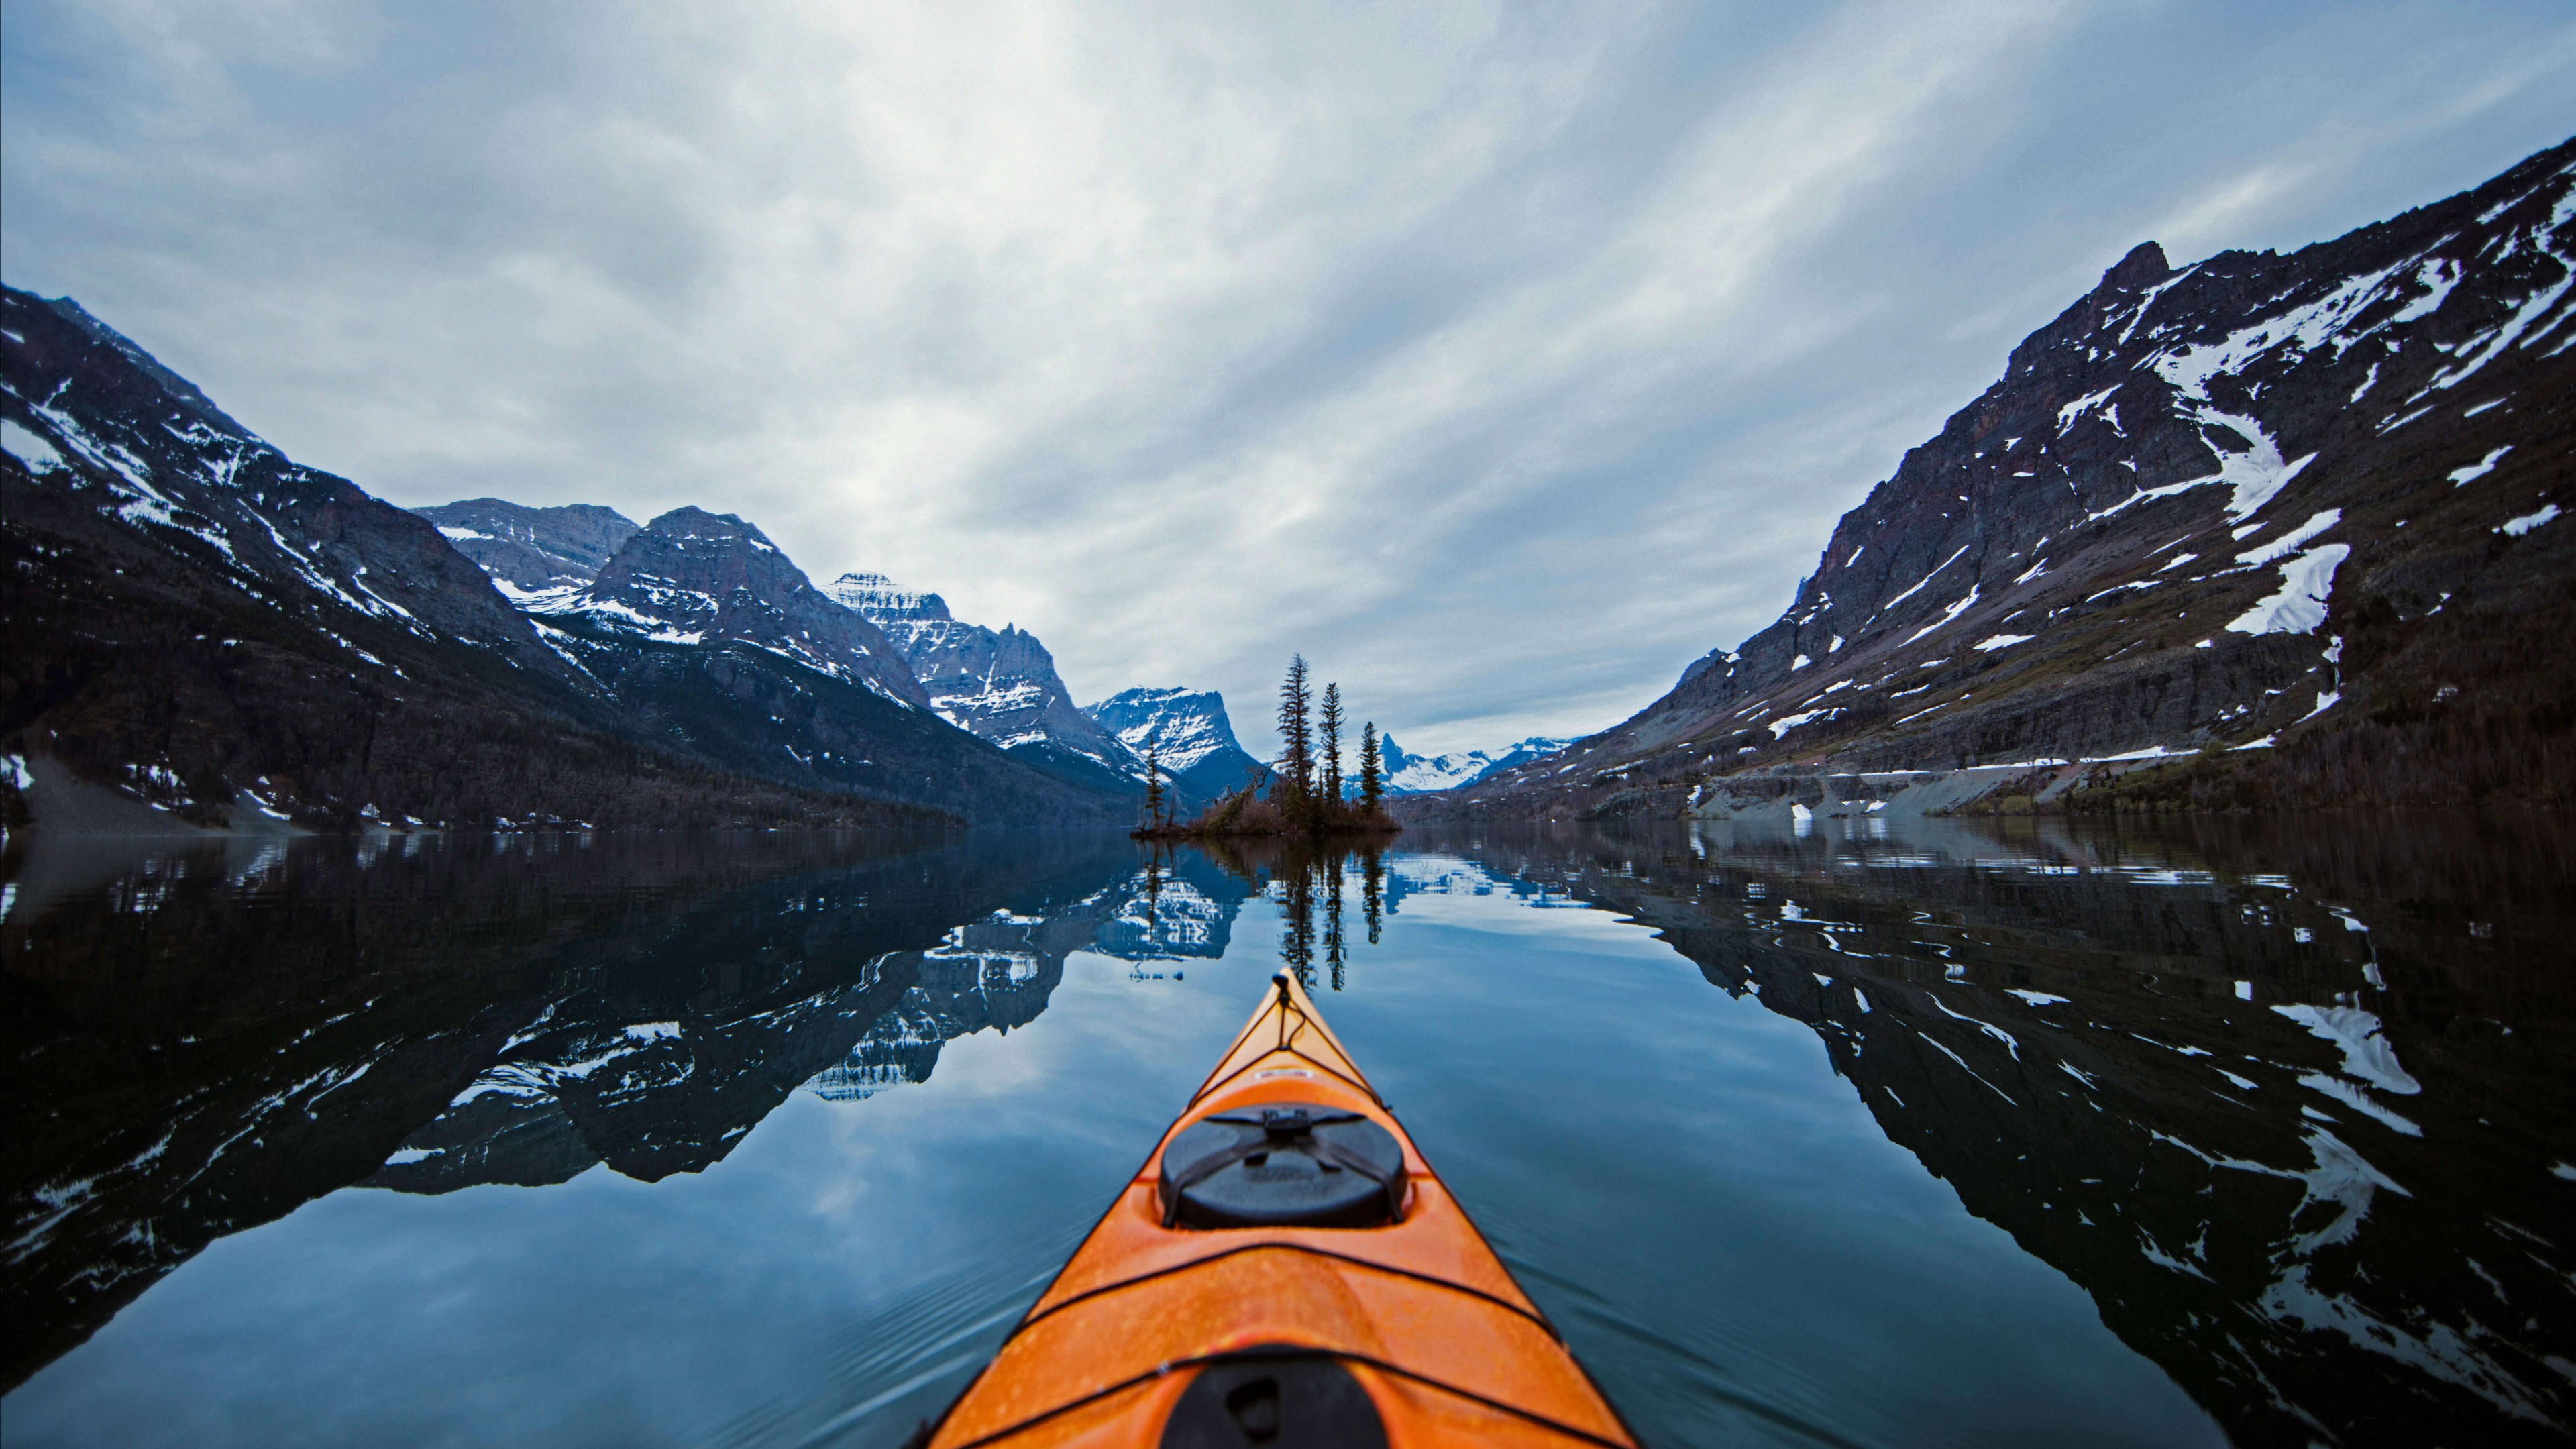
<point x="216" y="1037"/>
<point x="2290" y="1102"/>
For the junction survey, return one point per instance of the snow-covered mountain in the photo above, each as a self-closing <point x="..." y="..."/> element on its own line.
<point x="204" y="633"/>
<point x="530" y="550"/>
<point x="202" y="627"/>
<point x="2303" y="507"/>
<point x="692" y="577"/>
<point x="1188" y="730"/>
<point x="1000" y="684"/>
<point x="1411" y="774"/>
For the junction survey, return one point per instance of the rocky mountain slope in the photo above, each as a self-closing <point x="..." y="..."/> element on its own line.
<point x="694" y="577"/>
<point x="201" y="626"/>
<point x="531" y="550"/>
<point x="2304" y="508"/>
<point x="1411" y="774"/>
<point x="1000" y="685"/>
<point x="1188" y="732"/>
<point x="704" y="631"/>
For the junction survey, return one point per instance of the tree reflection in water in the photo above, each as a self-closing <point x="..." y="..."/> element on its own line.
<point x="1307" y="879"/>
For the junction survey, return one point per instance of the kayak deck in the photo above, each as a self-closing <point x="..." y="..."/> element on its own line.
<point x="1281" y="1319"/>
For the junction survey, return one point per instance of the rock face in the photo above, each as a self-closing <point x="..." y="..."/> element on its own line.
<point x="205" y="628"/>
<point x="208" y="629"/>
<point x="93" y="422"/>
<point x="1411" y="774"/>
<point x="1002" y="686"/>
<point x="532" y="550"/>
<point x="1189" y="734"/>
<point x="694" y="577"/>
<point x="703" y="630"/>
<point x="2310" y="500"/>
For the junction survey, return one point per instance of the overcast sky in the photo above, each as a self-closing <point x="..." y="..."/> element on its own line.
<point x="1501" y="359"/>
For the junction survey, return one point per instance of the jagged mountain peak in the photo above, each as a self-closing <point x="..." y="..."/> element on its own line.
<point x="689" y="524"/>
<point x="886" y="602"/>
<point x="999" y="683"/>
<point x="335" y="661"/>
<point x="1184" y="726"/>
<point x="1186" y="730"/>
<point x="693" y="577"/>
<point x="1144" y="695"/>
<point x="1161" y="696"/>
<point x="114" y="431"/>
<point x="2144" y="266"/>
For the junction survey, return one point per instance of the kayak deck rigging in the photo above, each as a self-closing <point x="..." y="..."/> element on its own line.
<point x="1284" y="1269"/>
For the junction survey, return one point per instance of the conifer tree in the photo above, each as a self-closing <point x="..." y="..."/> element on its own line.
<point x="1328" y="730"/>
<point x="1372" y="769"/>
<point x="1297" y="744"/>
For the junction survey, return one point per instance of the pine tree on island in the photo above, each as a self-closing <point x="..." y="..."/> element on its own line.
<point x="1297" y="744"/>
<point x="1328" y="736"/>
<point x="1305" y="794"/>
<point x="1372" y="769"/>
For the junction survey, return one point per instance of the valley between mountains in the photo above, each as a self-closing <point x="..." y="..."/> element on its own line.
<point x="2256" y="531"/>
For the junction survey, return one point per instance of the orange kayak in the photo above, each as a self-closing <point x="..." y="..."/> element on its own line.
<point x="1285" y="1270"/>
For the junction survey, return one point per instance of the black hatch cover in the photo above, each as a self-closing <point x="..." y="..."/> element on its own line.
<point x="1283" y="1164"/>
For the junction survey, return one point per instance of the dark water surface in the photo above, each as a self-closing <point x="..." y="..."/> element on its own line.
<point x="2262" y="1133"/>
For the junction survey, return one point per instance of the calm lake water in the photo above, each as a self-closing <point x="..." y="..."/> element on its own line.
<point x="2262" y="1133"/>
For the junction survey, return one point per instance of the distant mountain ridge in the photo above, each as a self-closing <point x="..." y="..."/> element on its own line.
<point x="704" y="626"/>
<point x="1001" y="685"/>
<point x="660" y="584"/>
<point x="2306" y="507"/>
<point x="1188" y="731"/>
<point x="1411" y="774"/>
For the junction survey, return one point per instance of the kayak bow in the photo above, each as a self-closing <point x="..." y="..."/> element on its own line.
<point x="1284" y="1270"/>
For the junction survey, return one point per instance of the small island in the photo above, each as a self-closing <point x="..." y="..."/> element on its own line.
<point x="1306" y="792"/>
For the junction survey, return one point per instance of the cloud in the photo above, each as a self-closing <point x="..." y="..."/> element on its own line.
<point x="1501" y="359"/>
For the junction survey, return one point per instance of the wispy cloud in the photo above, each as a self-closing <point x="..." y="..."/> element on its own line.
<point x="1502" y="359"/>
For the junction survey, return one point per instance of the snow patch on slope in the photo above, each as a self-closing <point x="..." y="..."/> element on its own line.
<point x="2300" y="605"/>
